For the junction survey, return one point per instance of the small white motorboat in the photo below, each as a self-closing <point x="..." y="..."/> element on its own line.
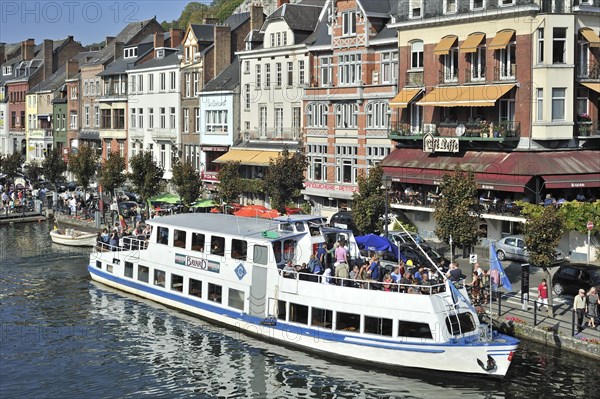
<point x="72" y="237"/>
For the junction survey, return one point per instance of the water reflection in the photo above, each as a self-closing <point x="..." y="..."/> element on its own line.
<point x="63" y="336"/>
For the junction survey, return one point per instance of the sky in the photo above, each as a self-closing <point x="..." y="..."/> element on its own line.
<point x="88" y="21"/>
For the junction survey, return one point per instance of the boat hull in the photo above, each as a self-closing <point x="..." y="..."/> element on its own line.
<point x="456" y="356"/>
<point x="84" y="240"/>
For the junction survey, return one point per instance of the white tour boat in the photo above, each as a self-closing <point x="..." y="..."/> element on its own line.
<point x="228" y="270"/>
<point x="73" y="238"/>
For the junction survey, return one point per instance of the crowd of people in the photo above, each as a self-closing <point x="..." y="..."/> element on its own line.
<point x="123" y="238"/>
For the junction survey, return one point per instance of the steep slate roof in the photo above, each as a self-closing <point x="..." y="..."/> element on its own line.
<point x="298" y="17"/>
<point x="204" y="32"/>
<point x="388" y="7"/>
<point x="321" y="36"/>
<point x="125" y="36"/>
<point x="228" y="79"/>
<point x="235" y="20"/>
<point x="57" y="79"/>
<point x="386" y="34"/>
<point x="118" y="67"/>
<point x="170" y="59"/>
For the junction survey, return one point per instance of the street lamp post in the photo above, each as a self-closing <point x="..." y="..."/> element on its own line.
<point x="387" y="183"/>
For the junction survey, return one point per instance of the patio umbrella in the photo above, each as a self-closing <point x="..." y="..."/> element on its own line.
<point x="166" y="198"/>
<point x="215" y="210"/>
<point x="249" y="212"/>
<point x="270" y="214"/>
<point x="206" y="203"/>
<point x="257" y="207"/>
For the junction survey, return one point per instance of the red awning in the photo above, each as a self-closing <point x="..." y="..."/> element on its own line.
<point x="512" y="183"/>
<point x="416" y="175"/>
<point x="573" y="181"/>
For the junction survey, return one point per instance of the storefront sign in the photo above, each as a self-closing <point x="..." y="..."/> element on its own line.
<point x="439" y="144"/>
<point x="330" y="187"/>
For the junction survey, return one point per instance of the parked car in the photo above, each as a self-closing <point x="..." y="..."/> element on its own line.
<point x="400" y="237"/>
<point x="126" y="208"/>
<point x="343" y="220"/>
<point x="513" y="248"/>
<point x="571" y="277"/>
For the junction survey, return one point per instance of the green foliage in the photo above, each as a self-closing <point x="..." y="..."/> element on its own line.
<point x="252" y="186"/>
<point x="575" y="214"/>
<point x="34" y="170"/>
<point x="224" y="8"/>
<point x="369" y="202"/>
<point x="83" y="164"/>
<point x="187" y="182"/>
<point x="306" y="207"/>
<point x="408" y="226"/>
<point x="457" y="211"/>
<point x="285" y="178"/>
<point x="113" y="172"/>
<point x="11" y="165"/>
<point x="542" y="233"/>
<point x="54" y="166"/>
<point x="229" y="182"/>
<point x="146" y="175"/>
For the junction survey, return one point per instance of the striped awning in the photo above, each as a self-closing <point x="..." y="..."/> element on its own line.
<point x="593" y="86"/>
<point x="501" y="40"/>
<point x="465" y="96"/>
<point x="404" y="97"/>
<point x="472" y="42"/>
<point x="444" y="46"/>
<point x="590" y="36"/>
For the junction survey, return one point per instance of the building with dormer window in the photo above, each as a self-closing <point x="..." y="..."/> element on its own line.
<point x="354" y="75"/>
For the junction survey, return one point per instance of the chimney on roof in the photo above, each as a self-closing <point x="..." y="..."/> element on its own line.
<point x="118" y="50"/>
<point x="210" y="21"/>
<point x="222" y="52"/>
<point x="47" y="54"/>
<point x="108" y="40"/>
<point x="27" y="49"/>
<point x="176" y="37"/>
<point x="282" y="2"/>
<point x="159" y="40"/>
<point x="2" y="53"/>
<point x="72" y="69"/>
<point x="257" y="18"/>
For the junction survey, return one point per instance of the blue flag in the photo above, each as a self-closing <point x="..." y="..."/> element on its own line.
<point x="458" y="297"/>
<point x="496" y="265"/>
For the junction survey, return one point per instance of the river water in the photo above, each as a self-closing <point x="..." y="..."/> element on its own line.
<point x="63" y="336"/>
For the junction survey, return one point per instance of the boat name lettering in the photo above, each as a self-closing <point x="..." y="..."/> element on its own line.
<point x="197" y="263"/>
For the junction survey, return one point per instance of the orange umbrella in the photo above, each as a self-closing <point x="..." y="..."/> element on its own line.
<point x="247" y="212"/>
<point x="270" y="214"/>
<point x="257" y="207"/>
<point x="215" y="210"/>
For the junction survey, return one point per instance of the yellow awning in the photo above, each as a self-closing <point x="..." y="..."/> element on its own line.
<point x="443" y="47"/>
<point x="471" y="43"/>
<point x="263" y="158"/>
<point x="404" y="97"/>
<point x="501" y="39"/>
<point x="590" y="36"/>
<point x="593" y="86"/>
<point x="465" y="96"/>
<point x="242" y="156"/>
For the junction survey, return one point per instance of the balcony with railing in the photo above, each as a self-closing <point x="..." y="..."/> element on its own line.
<point x="587" y="128"/>
<point x="448" y="76"/>
<point x="588" y="71"/>
<point x="41" y="134"/>
<point x="471" y="130"/>
<point x="414" y="78"/>
<point x="505" y="73"/>
<point x="292" y="134"/>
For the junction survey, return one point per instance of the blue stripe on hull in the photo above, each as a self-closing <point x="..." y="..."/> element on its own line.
<point x="318" y="334"/>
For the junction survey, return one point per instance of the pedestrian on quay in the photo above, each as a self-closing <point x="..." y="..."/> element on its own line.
<point x="579" y="304"/>
<point x="592" y="307"/>
<point x="542" y="295"/>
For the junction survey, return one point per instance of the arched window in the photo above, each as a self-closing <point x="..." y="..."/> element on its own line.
<point x="316" y="115"/>
<point x="378" y="114"/>
<point x="346" y="115"/>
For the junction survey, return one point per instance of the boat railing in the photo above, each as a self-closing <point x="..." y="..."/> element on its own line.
<point x="128" y="244"/>
<point x="426" y="289"/>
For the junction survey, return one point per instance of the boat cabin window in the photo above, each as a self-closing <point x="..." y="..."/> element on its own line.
<point x="109" y="268"/>
<point x="163" y="235"/>
<point x="217" y="245"/>
<point x="99" y="264"/>
<point x="159" y="278"/>
<point x="314" y="229"/>
<point x="462" y="324"/>
<point x="286" y="227"/>
<point x="215" y="293"/>
<point x="347" y="322"/>
<point x="196" y="288"/>
<point x="198" y="242"/>
<point x="176" y="282"/>
<point x="236" y="299"/>
<point x="413" y="330"/>
<point x="143" y="273"/>
<point x="239" y="249"/>
<point x="179" y="238"/>
<point x="322" y="317"/>
<point x="284" y="251"/>
<point x="298" y="313"/>
<point x="299" y="226"/>
<point x="378" y="326"/>
<point x="129" y="269"/>
<point x="261" y="254"/>
<point x="281" y="310"/>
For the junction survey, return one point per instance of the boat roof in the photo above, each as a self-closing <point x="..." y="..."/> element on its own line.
<point x="296" y="218"/>
<point x="224" y="224"/>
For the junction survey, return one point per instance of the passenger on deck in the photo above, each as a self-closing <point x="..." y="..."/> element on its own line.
<point x="342" y="272"/>
<point x="454" y="274"/>
<point x="387" y="282"/>
<point x="373" y="271"/>
<point x="326" y="279"/>
<point x="289" y="271"/>
<point x="396" y="274"/>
